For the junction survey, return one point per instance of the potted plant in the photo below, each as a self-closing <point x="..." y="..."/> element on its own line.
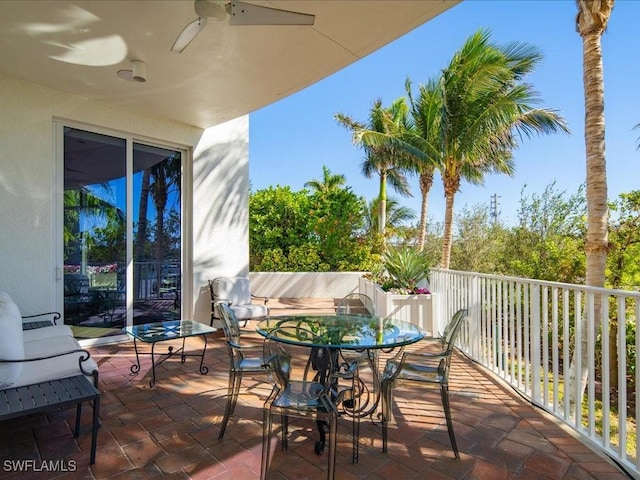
<point x="399" y="287"/>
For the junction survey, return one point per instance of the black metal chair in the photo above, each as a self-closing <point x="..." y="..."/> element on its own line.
<point x="242" y="359"/>
<point x="426" y="368"/>
<point x="302" y="381"/>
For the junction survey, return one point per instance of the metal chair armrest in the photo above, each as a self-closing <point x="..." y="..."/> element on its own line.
<point x="83" y="358"/>
<point x="56" y="316"/>
<point x="264" y="299"/>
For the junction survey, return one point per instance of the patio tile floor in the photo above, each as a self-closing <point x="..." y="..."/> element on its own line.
<point x="170" y="431"/>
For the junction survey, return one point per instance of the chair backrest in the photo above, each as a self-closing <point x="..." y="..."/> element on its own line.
<point x="230" y="323"/>
<point x="356" y="303"/>
<point x="233" y="289"/>
<point x="301" y="365"/>
<point x="75" y="284"/>
<point x="450" y="336"/>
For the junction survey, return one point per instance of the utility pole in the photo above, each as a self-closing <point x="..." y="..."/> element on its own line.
<point x="494" y="213"/>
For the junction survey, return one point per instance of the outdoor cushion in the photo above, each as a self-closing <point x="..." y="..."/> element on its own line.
<point x="237" y="292"/>
<point x="11" y="341"/>
<point x="43" y="333"/>
<point x="234" y="289"/>
<point x="57" y="367"/>
<point x="244" y="312"/>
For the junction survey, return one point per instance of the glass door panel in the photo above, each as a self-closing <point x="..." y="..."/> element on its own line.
<point x="94" y="233"/>
<point x="157" y="234"/>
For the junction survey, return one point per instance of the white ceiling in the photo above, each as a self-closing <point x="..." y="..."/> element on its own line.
<point x="226" y="72"/>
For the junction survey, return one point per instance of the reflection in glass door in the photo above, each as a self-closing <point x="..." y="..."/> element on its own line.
<point x="95" y="234"/>
<point x="157" y="250"/>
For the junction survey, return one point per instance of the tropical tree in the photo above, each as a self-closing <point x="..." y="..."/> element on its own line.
<point x="165" y="177"/>
<point x="87" y="203"/>
<point x="426" y="110"/>
<point x="548" y="241"/>
<point x="485" y="102"/>
<point x="467" y="123"/>
<point x="591" y="22"/>
<point x="397" y="218"/>
<point x="329" y="182"/>
<point x="334" y="220"/>
<point x="277" y="222"/>
<point x="384" y="160"/>
<point x="623" y="270"/>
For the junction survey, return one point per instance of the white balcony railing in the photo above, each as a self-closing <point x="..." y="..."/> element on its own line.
<point x="525" y="331"/>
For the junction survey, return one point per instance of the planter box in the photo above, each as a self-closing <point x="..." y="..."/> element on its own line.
<point x="417" y="309"/>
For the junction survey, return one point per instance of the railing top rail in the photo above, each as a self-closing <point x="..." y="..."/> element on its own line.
<point x="572" y="286"/>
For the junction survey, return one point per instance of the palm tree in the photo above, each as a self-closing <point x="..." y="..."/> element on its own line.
<point x="464" y="123"/>
<point x="591" y="22"/>
<point x="329" y="182"/>
<point x="397" y="216"/>
<point x="425" y="112"/>
<point x="485" y="102"/>
<point x="165" y="176"/>
<point x="382" y="160"/>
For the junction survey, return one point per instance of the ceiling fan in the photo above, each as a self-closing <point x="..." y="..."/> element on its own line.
<point x="240" y="13"/>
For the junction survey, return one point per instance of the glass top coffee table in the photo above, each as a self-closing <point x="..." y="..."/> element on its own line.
<point x="153" y="333"/>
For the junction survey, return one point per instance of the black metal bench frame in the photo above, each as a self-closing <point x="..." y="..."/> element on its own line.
<point x="39" y="397"/>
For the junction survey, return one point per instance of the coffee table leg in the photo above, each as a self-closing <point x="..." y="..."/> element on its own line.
<point x="183" y="357"/>
<point x="152" y="382"/>
<point x="136" y="367"/>
<point x="203" y="368"/>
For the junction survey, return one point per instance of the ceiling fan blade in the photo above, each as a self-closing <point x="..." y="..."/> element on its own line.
<point x="188" y="34"/>
<point x="248" y="14"/>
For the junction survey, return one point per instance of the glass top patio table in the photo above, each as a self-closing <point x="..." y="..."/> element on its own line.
<point x="161" y="331"/>
<point x="153" y="333"/>
<point x="345" y="332"/>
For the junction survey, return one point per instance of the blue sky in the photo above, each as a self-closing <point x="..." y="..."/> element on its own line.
<point x="292" y="139"/>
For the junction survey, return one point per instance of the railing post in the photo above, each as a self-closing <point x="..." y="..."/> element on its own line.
<point x="474" y="311"/>
<point x="536" y="353"/>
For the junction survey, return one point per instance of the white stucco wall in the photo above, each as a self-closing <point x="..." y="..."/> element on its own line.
<point x="221" y="206"/>
<point x="27" y="193"/>
<point x="304" y="284"/>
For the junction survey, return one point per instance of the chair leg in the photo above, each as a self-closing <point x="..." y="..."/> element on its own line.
<point x="356" y="418"/>
<point x="333" y="435"/>
<point x="285" y="433"/>
<point x="386" y="412"/>
<point x="266" y="441"/>
<point x="232" y="397"/>
<point x="444" y="391"/>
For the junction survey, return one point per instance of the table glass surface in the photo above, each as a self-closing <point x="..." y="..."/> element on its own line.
<point x="157" y="332"/>
<point x="343" y="331"/>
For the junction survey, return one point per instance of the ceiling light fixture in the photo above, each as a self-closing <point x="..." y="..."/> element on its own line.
<point x="138" y="72"/>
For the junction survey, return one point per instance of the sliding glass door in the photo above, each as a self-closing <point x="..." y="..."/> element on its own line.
<point x="103" y="233"/>
<point x="157" y="217"/>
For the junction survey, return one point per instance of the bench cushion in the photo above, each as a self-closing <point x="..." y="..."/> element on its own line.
<point x="57" y="367"/>
<point x="11" y="341"/>
<point x="46" y="332"/>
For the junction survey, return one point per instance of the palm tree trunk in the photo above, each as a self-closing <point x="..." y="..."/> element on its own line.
<point x="141" y="234"/>
<point x="591" y="22"/>
<point x="448" y="229"/>
<point x="426" y="181"/>
<point x="382" y="206"/>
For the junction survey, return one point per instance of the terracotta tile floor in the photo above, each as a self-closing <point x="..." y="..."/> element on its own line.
<point x="170" y="431"/>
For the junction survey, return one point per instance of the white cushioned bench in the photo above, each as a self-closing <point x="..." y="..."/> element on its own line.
<point x="38" y="354"/>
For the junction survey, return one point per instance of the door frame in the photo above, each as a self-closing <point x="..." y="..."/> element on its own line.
<point x="186" y="195"/>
